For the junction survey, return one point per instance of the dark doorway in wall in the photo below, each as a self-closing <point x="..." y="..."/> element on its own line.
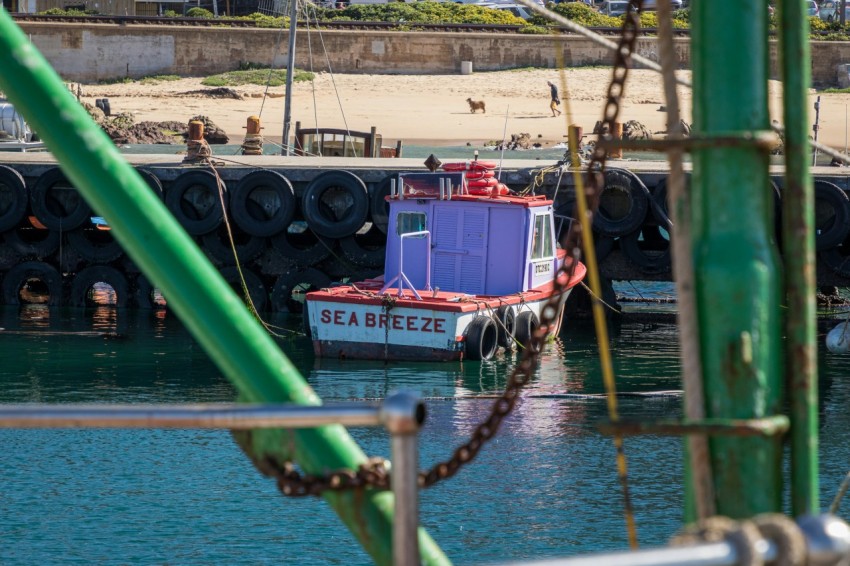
<point x="11" y="5"/>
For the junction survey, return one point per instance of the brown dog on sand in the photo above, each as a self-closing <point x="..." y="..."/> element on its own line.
<point x="476" y="105"/>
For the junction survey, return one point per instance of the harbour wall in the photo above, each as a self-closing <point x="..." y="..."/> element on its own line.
<point x="302" y="222"/>
<point x="96" y="52"/>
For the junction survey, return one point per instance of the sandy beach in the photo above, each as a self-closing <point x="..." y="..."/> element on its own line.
<point x="432" y="109"/>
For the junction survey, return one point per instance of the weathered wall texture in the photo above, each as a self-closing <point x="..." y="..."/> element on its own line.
<point x="100" y="52"/>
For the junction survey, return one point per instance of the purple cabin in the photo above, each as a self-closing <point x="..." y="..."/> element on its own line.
<point x="478" y="245"/>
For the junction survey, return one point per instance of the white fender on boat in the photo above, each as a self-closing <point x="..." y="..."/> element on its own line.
<point x="838" y="339"/>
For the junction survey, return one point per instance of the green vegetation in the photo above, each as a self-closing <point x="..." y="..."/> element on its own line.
<point x="835" y="91"/>
<point x="406" y="16"/>
<point x="256" y="77"/>
<point x="421" y="12"/>
<point x="71" y="12"/>
<point x="116" y="81"/>
<point x="199" y="13"/>
<point x="156" y="79"/>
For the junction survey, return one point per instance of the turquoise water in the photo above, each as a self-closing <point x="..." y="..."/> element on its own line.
<point x="546" y="486"/>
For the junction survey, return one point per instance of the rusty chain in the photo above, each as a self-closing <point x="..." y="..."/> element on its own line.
<point x="373" y="473"/>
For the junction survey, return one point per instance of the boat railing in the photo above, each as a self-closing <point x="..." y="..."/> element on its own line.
<point x="401" y="413"/>
<point x="827" y="541"/>
<point x="400" y="278"/>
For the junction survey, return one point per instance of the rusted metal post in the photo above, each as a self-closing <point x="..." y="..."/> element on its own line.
<point x="799" y="255"/>
<point x="617" y="134"/>
<point x="196" y="130"/>
<point x="252" y="125"/>
<point x="575" y="133"/>
<point x="736" y="263"/>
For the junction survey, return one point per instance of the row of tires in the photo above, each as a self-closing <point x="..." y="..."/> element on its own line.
<point x="41" y="282"/>
<point x="263" y="203"/>
<point x="634" y="219"/>
<point x="506" y="328"/>
<point x="298" y="246"/>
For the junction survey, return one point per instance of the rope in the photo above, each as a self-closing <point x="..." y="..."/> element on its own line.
<point x="584" y="217"/>
<point x="683" y="273"/>
<point x="197" y="151"/>
<point x="598" y="298"/>
<point x="252" y="144"/>
<point x="245" y="292"/>
<point x="746" y="537"/>
<point x="833" y="508"/>
<point x="336" y="91"/>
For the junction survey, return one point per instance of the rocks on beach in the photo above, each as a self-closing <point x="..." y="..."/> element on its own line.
<point x="123" y="129"/>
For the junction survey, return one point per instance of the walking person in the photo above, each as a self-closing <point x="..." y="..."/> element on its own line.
<point x="553" y="105"/>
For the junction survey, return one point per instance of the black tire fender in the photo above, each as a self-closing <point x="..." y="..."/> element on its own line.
<point x="379" y="208"/>
<point x="506" y="324"/>
<point x="263" y="203"/>
<point x="365" y="250"/>
<point x="218" y="247"/>
<point x="622" y="206"/>
<point x="481" y="339"/>
<point x="526" y="323"/>
<point x="832" y="215"/>
<point x="17" y="277"/>
<point x="56" y="203"/>
<point x="836" y="260"/>
<point x="152" y="181"/>
<point x="88" y="277"/>
<point x="256" y="288"/>
<point x="194" y="201"/>
<point x="348" y="211"/>
<point x="29" y="241"/>
<point x="96" y="246"/>
<point x="297" y="281"/>
<point x="648" y="249"/>
<point x="304" y="248"/>
<point x="13" y="198"/>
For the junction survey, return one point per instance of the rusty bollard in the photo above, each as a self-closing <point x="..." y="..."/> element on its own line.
<point x="253" y="142"/>
<point x="617" y="134"/>
<point x="197" y="147"/>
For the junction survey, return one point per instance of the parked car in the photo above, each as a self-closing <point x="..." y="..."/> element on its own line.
<point x="614" y="7"/>
<point x="517" y="10"/>
<point x="652" y="5"/>
<point x="812" y="7"/>
<point x="831" y="11"/>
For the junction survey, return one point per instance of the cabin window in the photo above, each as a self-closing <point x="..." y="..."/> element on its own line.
<point x="541" y="243"/>
<point x="407" y="222"/>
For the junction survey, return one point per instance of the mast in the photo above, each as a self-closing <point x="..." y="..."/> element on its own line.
<point x="290" y="71"/>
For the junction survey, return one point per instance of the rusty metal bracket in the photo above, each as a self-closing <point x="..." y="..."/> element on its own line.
<point x="765" y="140"/>
<point x="765" y="426"/>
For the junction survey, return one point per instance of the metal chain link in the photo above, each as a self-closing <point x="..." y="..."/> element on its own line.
<point x="374" y="473"/>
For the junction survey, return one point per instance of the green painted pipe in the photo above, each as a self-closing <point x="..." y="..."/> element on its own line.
<point x="213" y="313"/>
<point x="735" y="261"/>
<point x="799" y="256"/>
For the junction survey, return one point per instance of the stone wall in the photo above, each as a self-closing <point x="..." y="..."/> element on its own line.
<point x="101" y="52"/>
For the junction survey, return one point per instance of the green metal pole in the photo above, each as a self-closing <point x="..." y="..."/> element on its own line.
<point x="735" y="261"/>
<point x="216" y="317"/>
<point x="799" y="257"/>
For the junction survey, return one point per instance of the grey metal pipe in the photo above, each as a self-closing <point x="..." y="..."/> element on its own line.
<point x="399" y="411"/>
<point x="827" y="542"/>
<point x="231" y="416"/>
<point x="404" y="415"/>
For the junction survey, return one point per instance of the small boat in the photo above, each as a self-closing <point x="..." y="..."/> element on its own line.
<point x="15" y="133"/>
<point x="469" y="267"/>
